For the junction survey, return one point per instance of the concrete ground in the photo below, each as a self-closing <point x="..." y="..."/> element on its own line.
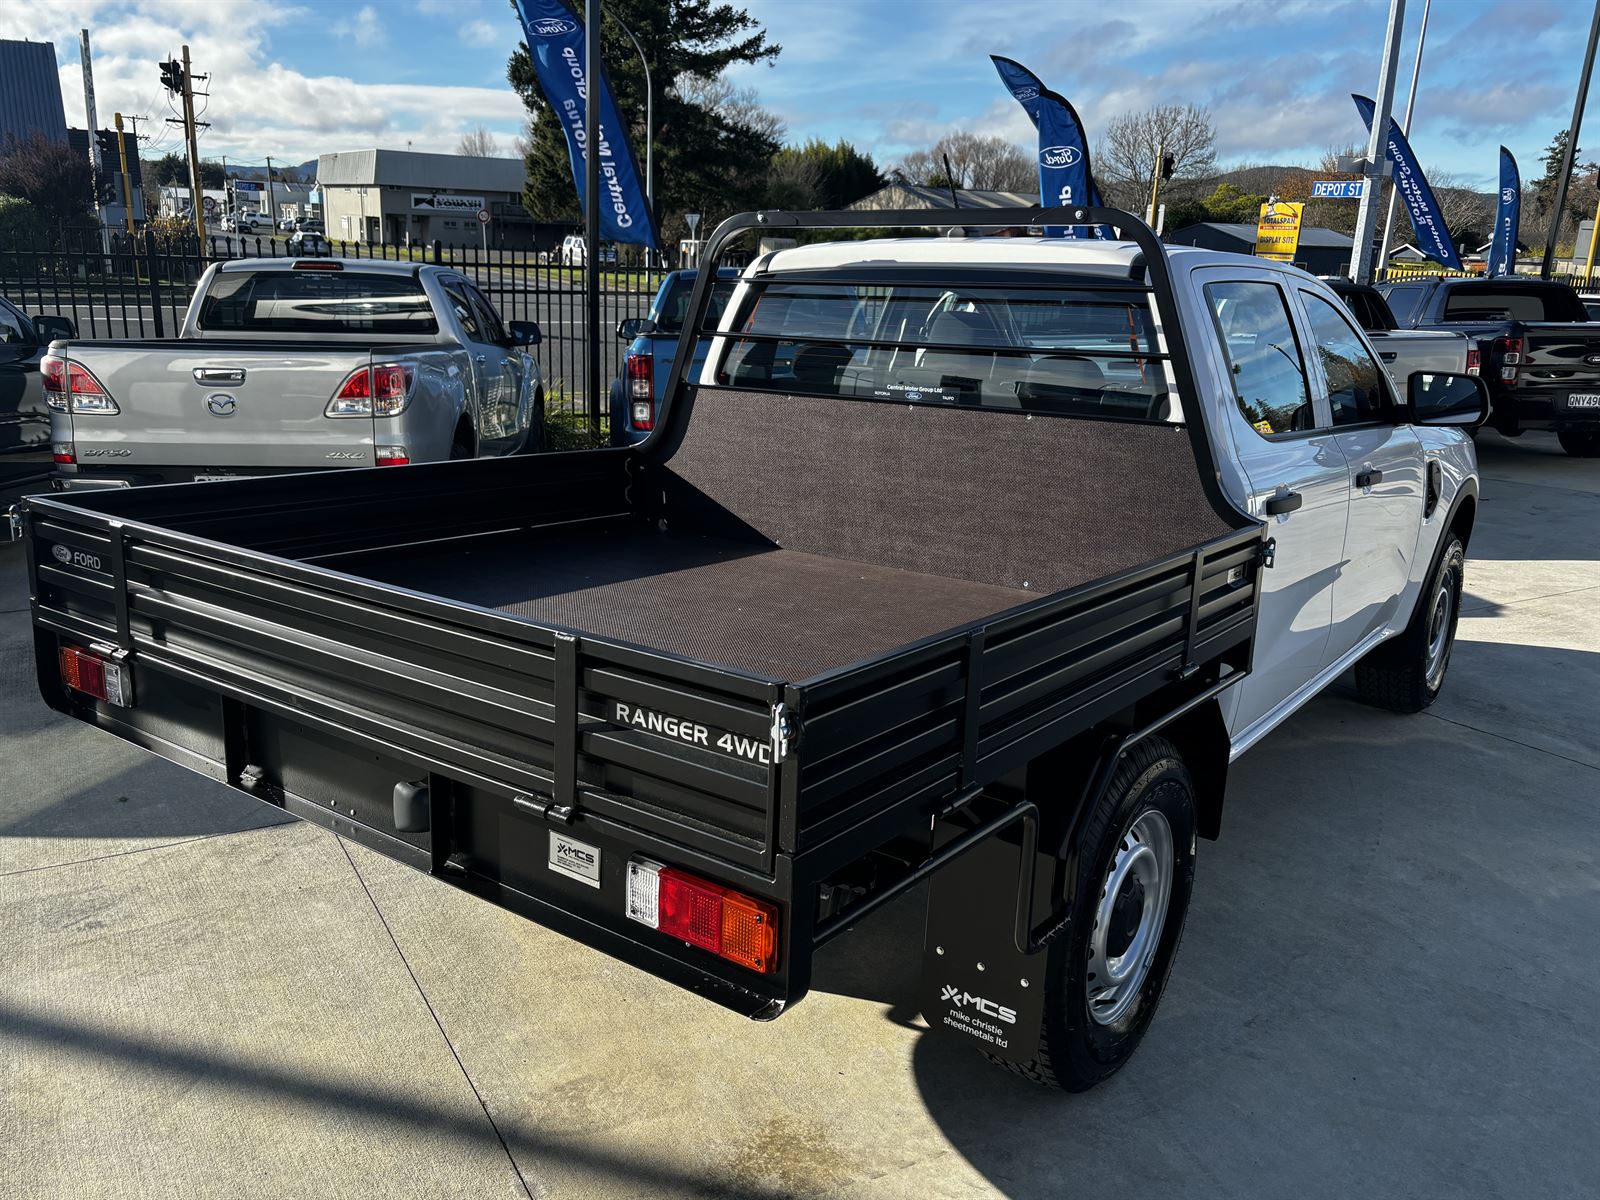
<point x="1389" y="986"/>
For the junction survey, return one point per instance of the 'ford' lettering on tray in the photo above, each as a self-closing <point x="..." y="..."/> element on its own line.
<point x="75" y="558"/>
<point x="751" y="749"/>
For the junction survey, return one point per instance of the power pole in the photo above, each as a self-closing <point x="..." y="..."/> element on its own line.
<point x="1572" y="146"/>
<point x="1155" y="183"/>
<point x="1405" y="128"/>
<point x="1377" y="147"/>
<point x="272" y="202"/>
<point x="95" y="158"/>
<point x="196" y="192"/>
<point x="127" y="182"/>
<point x="591" y="211"/>
<point x="134" y="121"/>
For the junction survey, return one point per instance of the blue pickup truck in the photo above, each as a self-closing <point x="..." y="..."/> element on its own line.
<point x="652" y="345"/>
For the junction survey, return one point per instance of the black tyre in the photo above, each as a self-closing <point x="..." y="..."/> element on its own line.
<point x="464" y="444"/>
<point x="1406" y="673"/>
<point x="1580" y="445"/>
<point x="1104" y="976"/>
<point x="533" y="443"/>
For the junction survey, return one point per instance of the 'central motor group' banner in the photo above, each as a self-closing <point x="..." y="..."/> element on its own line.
<point x="555" y="43"/>
<point x="1433" y="239"/>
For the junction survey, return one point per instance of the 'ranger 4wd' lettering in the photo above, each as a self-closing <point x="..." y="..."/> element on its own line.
<point x="752" y="749"/>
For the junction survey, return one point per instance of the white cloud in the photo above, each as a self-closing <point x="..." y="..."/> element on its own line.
<point x="257" y="105"/>
<point x="480" y="33"/>
<point x="364" y="29"/>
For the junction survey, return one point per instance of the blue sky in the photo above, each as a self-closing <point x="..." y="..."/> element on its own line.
<point x="293" y="79"/>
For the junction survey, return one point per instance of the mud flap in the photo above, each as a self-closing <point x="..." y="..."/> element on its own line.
<point x="976" y="985"/>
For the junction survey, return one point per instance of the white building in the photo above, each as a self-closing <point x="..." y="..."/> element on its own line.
<point x="404" y="197"/>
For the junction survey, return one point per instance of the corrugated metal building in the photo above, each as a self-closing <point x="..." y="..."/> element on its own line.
<point x="1321" y="251"/>
<point x="30" y="92"/>
<point x="393" y="195"/>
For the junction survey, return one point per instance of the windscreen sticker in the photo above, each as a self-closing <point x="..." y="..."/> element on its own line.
<point x="917" y="393"/>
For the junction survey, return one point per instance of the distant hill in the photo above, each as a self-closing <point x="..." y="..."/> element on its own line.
<point x="306" y="171"/>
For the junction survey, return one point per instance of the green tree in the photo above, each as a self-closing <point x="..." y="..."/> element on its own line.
<point x="1227" y="204"/>
<point x="817" y="175"/>
<point x="712" y="146"/>
<point x="48" y="175"/>
<point x="173" y="170"/>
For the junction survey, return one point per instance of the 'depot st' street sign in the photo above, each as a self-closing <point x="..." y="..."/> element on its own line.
<point x="1338" y="189"/>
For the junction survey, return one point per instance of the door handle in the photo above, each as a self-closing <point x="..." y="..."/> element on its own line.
<point x="1369" y="477"/>
<point x="1285" y="502"/>
<point x="1388" y="355"/>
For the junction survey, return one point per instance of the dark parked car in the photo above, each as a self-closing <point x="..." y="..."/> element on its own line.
<point x="652" y="345"/>
<point x="24" y="416"/>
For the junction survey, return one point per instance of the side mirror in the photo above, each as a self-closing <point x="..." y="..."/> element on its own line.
<point x="1460" y="400"/>
<point x="631" y="327"/>
<point x="52" y="328"/>
<point x="524" y="333"/>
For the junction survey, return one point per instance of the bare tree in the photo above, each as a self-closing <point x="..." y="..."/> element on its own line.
<point x="986" y="163"/>
<point x="478" y="143"/>
<point x="1468" y="215"/>
<point x="738" y="106"/>
<point x="1125" y="160"/>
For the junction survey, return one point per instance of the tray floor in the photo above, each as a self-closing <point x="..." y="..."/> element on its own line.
<point x="745" y="605"/>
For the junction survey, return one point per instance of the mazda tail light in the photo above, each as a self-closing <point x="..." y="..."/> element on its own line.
<point x="381" y="390"/>
<point x="391" y="456"/>
<point x="70" y="386"/>
<point x="730" y="924"/>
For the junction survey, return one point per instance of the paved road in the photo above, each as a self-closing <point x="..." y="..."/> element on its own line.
<point x="1388" y="987"/>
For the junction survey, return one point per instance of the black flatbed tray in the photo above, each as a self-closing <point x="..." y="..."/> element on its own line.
<point x="777" y="613"/>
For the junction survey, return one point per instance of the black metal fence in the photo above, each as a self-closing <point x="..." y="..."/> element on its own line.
<point x="139" y="286"/>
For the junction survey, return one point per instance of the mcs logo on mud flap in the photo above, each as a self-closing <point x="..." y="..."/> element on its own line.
<point x="995" y="1012"/>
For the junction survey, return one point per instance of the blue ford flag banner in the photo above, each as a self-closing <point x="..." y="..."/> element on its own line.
<point x="1433" y="239"/>
<point x="1064" y="175"/>
<point x="555" y="43"/>
<point x="1503" y="249"/>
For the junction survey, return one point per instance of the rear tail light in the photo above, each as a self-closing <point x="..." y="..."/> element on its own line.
<point x="731" y="925"/>
<point x="1474" y="362"/>
<point x="69" y="385"/>
<point x="1508" y="352"/>
<point x="391" y="456"/>
<point x="96" y="675"/>
<point x="63" y="452"/>
<point x="641" y="391"/>
<point x="382" y="390"/>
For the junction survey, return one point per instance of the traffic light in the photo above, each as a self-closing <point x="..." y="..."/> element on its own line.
<point x="1166" y="167"/>
<point x="172" y="75"/>
<point x="108" y="184"/>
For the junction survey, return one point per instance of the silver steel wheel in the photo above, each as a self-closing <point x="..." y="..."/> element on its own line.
<point x="1444" y="603"/>
<point x="1130" y="917"/>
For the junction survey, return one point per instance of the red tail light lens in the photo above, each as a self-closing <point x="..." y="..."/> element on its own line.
<point x="729" y="924"/>
<point x="63" y="452"/>
<point x="1474" y="362"/>
<point x="1508" y="351"/>
<point x="381" y="391"/>
<point x="70" y="384"/>
<point x="95" y="675"/>
<point x="641" y="391"/>
<point x="390" y="456"/>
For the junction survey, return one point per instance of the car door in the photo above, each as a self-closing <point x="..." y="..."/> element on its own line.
<point x="1298" y="483"/>
<point x="502" y="407"/>
<point x="1385" y="465"/>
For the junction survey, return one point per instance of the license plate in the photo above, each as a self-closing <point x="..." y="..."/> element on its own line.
<point x="219" y="478"/>
<point x="1584" y="400"/>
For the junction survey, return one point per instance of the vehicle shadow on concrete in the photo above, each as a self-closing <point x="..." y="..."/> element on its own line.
<point x="260" y="1080"/>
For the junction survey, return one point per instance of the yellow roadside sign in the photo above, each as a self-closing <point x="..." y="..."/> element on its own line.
<point x="1278" y="231"/>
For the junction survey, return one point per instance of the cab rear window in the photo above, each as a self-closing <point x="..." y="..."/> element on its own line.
<point x="1069" y="348"/>
<point x="1513" y="302"/>
<point x="316" y="302"/>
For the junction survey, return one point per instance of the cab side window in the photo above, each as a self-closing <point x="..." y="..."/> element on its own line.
<point x="465" y="313"/>
<point x="1269" y="377"/>
<point x="1356" y="390"/>
<point x="12" y="330"/>
<point x="488" y="318"/>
